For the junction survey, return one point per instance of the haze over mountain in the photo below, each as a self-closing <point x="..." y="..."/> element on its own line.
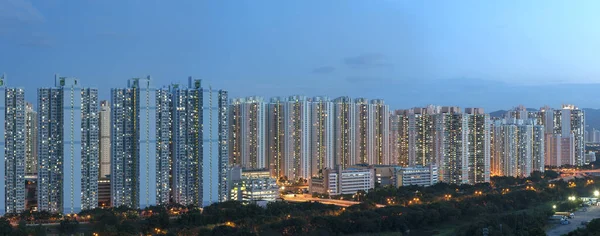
<point x="592" y="116"/>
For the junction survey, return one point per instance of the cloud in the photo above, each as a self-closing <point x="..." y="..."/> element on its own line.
<point x="20" y="11"/>
<point x="324" y="70"/>
<point x="367" y="60"/>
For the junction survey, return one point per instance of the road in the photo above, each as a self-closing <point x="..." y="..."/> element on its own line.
<point x="308" y="198"/>
<point x="580" y="216"/>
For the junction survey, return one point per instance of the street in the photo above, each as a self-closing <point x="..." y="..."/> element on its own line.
<point x="580" y="216"/>
<point x="308" y="198"/>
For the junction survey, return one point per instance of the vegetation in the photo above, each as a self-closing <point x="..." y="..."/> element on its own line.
<point x="591" y="229"/>
<point x="506" y="206"/>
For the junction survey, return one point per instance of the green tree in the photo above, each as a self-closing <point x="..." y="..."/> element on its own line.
<point x="5" y="227"/>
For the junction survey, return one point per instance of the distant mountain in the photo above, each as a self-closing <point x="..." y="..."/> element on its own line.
<point x="592" y="116"/>
<point x="501" y="113"/>
<point x="498" y="114"/>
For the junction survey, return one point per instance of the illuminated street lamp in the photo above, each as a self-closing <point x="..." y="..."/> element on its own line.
<point x="596" y="193"/>
<point x="554" y="207"/>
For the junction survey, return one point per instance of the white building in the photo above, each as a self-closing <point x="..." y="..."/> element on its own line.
<point x="344" y="132"/>
<point x="12" y="157"/>
<point x="104" y="139"/>
<point x="450" y="147"/>
<point x="322" y="139"/>
<point x="31" y="128"/>
<point x="200" y="162"/>
<point x="478" y="145"/>
<point x="68" y="147"/>
<point x="372" y="129"/>
<point x="297" y="155"/>
<point x="344" y="181"/>
<point x="134" y="177"/>
<point x="518" y="147"/>
<point x="247" y="132"/>
<point x="252" y="185"/>
<point x="416" y="175"/>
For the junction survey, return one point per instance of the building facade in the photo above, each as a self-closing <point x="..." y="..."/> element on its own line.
<point x="381" y="133"/>
<point x="421" y="135"/>
<point x="104" y="123"/>
<point x="518" y="147"/>
<point x="30" y="140"/>
<point x="252" y="185"/>
<point x="67" y="147"/>
<point x="322" y="141"/>
<point x="344" y="132"/>
<point x="134" y="161"/>
<point x="338" y="181"/>
<point x="451" y="150"/>
<point x="12" y="164"/>
<point x="297" y="155"/>
<point x="478" y="143"/>
<point x="247" y="132"/>
<point x="416" y="175"/>
<point x="199" y="144"/>
<point x="276" y="129"/>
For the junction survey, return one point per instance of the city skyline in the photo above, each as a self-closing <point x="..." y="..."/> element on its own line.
<point x="152" y="139"/>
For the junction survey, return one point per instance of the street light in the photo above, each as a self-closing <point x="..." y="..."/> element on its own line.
<point x="554" y="207"/>
<point x="572" y="198"/>
<point x="596" y="193"/>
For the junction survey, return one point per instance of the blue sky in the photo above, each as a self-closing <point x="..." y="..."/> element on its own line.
<point x="491" y="54"/>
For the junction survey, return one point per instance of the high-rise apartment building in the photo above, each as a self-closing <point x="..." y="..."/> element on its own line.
<point x="322" y="140"/>
<point x="67" y="147"/>
<point x="519" y="147"/>
<point x="421" y="135"/>
<point x="247" y="133"/>
<point x="200" y="150"/>
<point x="344" y="132"/>
<point x="538" y="152"/>
<point x="564" y="133"/>
<point x="364" y="131"/>
<point x="381" y="133"/>
<point x="399" y="138"/>
<point x="297" y="136"/>
<point x="451" y="145"/>
<point x="12" y="157"/>
<point x="276" y="129"/>
<point x="573" y="123"/>
<point x="164" y="143"/>
<point x="372" y="129"/>
<point x="478" y="143"/>
<point x="30" y="140"/>
<point x="104" y="123"/>
<point x="135" y="179"/>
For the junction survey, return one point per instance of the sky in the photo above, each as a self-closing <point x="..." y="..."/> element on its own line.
<point x="490" y="54"/>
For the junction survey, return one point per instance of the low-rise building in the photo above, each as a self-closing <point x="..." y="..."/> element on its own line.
<point x="344" y="181"/>
<point x="417" y="175"/>
<point x="252" y="185"/>
<point x="393" y="175"/>
<point x="590" y="157"/>
<point x="384" y="174"/>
